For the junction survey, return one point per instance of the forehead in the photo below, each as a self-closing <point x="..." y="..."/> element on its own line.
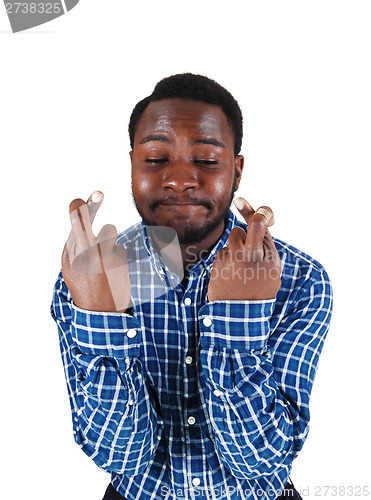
<point x="185" y="117"/>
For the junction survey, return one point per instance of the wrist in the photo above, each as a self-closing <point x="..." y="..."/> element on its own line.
<point x="233" y="324"/>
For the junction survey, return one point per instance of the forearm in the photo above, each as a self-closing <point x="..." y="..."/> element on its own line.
<point x="114" y="415"/>
<point x="252" y="427"/>
<point x="253" y="423"/>
<point x="257" y="383"/>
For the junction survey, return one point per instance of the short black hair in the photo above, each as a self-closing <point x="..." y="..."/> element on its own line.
<point x="196" y="88"/>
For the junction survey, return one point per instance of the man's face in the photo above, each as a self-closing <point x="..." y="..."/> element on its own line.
<point x="184" y="171"/>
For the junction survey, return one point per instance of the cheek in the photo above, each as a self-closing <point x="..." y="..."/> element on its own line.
<point x="141" y="184"/>
<point x="221" y="187"/>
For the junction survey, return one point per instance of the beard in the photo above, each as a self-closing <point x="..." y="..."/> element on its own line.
<point x="193" y="234"/>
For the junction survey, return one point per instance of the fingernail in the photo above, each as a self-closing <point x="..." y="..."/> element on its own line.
<point x="239" y="203"/>
<point x="96" y="196"/>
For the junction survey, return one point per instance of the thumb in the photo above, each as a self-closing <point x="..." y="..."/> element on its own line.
<point x="94" y="202"/>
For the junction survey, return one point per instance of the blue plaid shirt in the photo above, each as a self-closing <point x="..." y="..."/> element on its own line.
<point x="185" y="398"/>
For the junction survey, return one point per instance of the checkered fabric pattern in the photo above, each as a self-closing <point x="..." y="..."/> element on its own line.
<point x="185" y="398"/>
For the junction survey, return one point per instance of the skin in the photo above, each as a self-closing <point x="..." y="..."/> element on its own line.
<point x="95" y="269"/>
<point x="179" y="179"/>
<point x="184" y="174"/>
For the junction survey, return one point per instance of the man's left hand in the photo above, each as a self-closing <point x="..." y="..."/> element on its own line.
<point x="249" y="268"/>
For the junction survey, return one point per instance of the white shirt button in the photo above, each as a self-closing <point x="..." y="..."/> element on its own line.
<point x="207" y="321"/>
<point x="189" y="360"/>
<point x="131" y="333"/>
<point x="218" y="393"/>
<point x="130" y="402"/>
<point x="191" y="420"/>
<point x="188" y="301"/>
<point x="196" y="481"/>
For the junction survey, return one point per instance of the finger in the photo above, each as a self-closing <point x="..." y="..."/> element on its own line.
<point x="81" y="225"/>
<point x="267" y="213"/>
<point x="106" y="240"/>
<point x="236" y="239"/>
<point x="94" y="202"/>
<point x="222" y="255"/>
<point x="247" y="211"/>
<point x="244" y="208"/>
<point x="119" y="279"/>
<point x="107" y="237"/>
<point x="257" y="231"/>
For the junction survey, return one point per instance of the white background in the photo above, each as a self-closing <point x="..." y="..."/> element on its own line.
<point x="301" y="73"/>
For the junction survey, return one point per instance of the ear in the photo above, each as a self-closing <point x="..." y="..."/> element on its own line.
<point x="238" y="165"/>
<point x="131" y="156"/>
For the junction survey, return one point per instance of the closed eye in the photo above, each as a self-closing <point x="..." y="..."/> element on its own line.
<point x="199" y="162"/>
<point x="156" y="160"/>
<point x="206" y="162"/>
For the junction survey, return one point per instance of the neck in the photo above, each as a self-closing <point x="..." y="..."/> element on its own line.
<point x="194" y="252"/>
<point x="182" y="261"/>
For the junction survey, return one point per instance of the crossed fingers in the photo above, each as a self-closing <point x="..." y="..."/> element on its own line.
<point x="95" y="267"/>
<point x="256" y="244"/>
<point x="89" y="253"/>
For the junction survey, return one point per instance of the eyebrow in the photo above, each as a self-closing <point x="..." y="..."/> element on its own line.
<point x="163" y="138"/>
<point x="155" y="137"/>
<point x="208" y="140"/>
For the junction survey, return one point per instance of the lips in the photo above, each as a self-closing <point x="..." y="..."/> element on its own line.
<point x="181" y="204"/>
<point x="174" y="202"/>
<point x="182" y="209"/>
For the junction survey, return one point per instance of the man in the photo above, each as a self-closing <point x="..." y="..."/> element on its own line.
<point x="194" y="379"/>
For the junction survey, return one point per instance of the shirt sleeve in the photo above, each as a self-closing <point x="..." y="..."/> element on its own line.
<point x="257" y="382"/>
<point x="114" y="413"/>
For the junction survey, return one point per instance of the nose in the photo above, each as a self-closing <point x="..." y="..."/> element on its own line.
<point x="180" y="176"/>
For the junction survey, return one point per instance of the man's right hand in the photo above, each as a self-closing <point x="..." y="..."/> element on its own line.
<point x="95" y="269"/>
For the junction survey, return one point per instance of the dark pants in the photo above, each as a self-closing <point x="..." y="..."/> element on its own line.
<point x="290" y="492"/>
<point x="111" y="494"/>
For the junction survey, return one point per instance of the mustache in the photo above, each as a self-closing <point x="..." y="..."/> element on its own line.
<point x="171" y="199"/>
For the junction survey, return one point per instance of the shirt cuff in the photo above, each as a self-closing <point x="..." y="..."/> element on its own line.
<point x="236" y="324"/>
<point x="106" y="333"/>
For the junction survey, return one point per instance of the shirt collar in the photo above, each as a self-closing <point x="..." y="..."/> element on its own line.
<point x="204" y="263"/>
